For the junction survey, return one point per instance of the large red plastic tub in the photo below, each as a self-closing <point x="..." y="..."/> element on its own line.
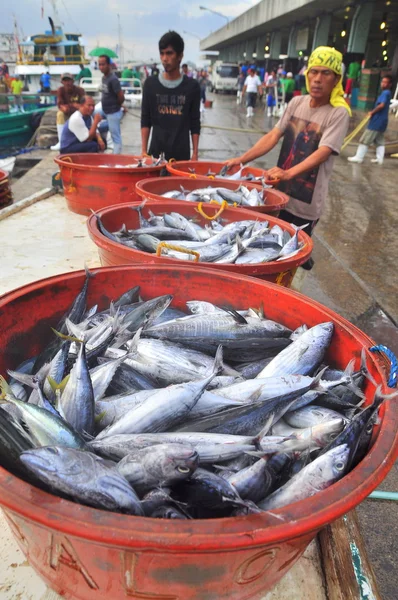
<point x="152" y="189"/>
<point x="111" y="253"/>
<point x="92" y="181"/>
<point x="183" y="168"/>
<point x="91" y="554"/>
<point x="5" y="189"/>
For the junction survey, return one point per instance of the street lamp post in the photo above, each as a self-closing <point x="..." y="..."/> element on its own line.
<point x="214" y="12"/>
<point x="193" y="34"/>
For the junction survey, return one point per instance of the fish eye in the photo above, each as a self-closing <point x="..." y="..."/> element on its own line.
<point x="340" y="465"/>
<point x="333" y="436"/>
<point x="183" y="470"/>
<point x="52" y="450"/>
<point x="369" y="428"/>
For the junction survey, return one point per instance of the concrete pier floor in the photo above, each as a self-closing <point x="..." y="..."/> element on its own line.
<point x="355" y="273"/>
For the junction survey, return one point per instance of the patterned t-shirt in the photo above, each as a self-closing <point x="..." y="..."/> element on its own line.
<point x="305" y="130"/>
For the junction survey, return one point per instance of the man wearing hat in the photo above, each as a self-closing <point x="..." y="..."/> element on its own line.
<point x="69" y="97"/>
<point x="313" y="128"/>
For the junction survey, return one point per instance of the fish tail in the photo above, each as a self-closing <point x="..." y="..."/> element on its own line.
<point x="58" y="386"/>
<point x="364" y="368"/>
<point x="263" y="431"/>
<point x="380" y="397"/>
<point x="89" y="274"/>
<point x="4" y="389"/>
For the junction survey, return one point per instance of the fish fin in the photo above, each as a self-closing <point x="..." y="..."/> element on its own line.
<point x="254" y="396"/>
<point x="265" y="429"/>
<point x="70" y="338"/>
<point x="133" y="343"/>
<point x="23" y="378"/>
<point x="236" y="316"/>
<point x="98" y="418"/>
<point x="218" y="361"/>
<point x="4" y="389"/>
<point x="316" y="385"/>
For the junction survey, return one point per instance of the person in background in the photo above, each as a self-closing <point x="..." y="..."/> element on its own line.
<point x="137" y="76"/>
<point x="3" y="69"/>
<point x="245" y="69"/>
<point x="127" y="73"/>
<point x="112" y="98"/>
<point x="16" y="89"/>
<point x="171" y="106"/>
<point x="202" y="80"/>
<point x="289" y="86"/>
<point x="353" y="72"/>
<point x="80" y="133"/>
<point x="45" y="82"/>
<point x="155" y="70"/>
<point x="84" y="73"/>
<point x="186" y="71"/>
<point x="252" y="87"/>
<point x="314" y="127"/>
<point x="377" y="125"/>
<point x="271" y="84"/>
<point x="240" y="83"/>
<point x="69" y="97"/>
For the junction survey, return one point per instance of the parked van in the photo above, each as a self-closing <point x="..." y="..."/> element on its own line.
<point x="224" y="77"/>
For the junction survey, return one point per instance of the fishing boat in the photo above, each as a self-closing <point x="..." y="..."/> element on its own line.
<point x="52" y="51"/>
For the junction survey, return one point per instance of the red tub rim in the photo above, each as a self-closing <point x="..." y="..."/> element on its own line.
<point x="104" y="243"/>
<point x="214" y="534"/>
<point x="141" y="190"/>
<point x="60" y="160"/>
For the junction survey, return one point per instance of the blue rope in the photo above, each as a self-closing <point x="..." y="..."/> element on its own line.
<point x="393" y="379"/>
<point x="18" y="152"/>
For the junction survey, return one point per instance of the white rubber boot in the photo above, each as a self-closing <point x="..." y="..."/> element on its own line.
<point x="379" y="155"/>
<point x="360" y="155"/>
<point x="57" y="147"/>
<point x="238" y="97"/>
<point x="269" y="112"/>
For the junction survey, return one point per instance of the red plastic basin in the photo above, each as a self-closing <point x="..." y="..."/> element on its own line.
<point x="183" y="168"/>
<point x="92" y="181"/>
<point x="90" y="554"/>
<point x="152" y="189"/>
<point x="112" y="253"/>
<point x="5" y="189"/>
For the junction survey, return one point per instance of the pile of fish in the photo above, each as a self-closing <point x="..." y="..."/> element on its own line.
<point x="147" y="410"/>
<point x="147" y="161"/>
<point x="175" y="236"/>
<point x="242" y="196"/>
<point x="223" y="174"/>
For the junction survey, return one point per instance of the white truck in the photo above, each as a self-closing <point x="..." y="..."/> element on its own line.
<point x="224" y="77"/>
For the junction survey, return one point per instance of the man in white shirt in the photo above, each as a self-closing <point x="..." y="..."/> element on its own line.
<point x="251" y="88"/>
<point x="80" y="131"/>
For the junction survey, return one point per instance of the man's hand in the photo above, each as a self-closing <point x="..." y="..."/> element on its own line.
<point x="64" y="108"/>
<point x="277" y="173"/>
<point x="101" y="144"/>
<point x="97" y="118"/>
<point x="233" y="161"/>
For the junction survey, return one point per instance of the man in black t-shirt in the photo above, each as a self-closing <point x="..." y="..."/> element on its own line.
<point x="112" y="99"/>
<point x="171" y="106"/>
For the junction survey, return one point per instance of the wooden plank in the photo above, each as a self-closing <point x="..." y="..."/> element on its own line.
<point x="348" y="572"/>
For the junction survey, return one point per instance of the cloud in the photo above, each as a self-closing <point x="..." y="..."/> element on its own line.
<point x="142" y="23"/>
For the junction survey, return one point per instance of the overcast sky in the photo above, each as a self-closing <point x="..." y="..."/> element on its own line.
<point x="143" y="23"/>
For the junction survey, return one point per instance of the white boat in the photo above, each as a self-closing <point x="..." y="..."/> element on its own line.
<point x="53" y="51"/>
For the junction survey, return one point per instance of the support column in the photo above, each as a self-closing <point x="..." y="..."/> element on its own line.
<point x="275" y="45"/>
<point x="261" y="43"/>
<point x="359" y="32"/>
<point x="321" y="33"/>
<point x="292" y="45"/>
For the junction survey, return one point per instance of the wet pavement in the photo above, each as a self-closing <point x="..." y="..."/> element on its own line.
<point x="355" y="273"/>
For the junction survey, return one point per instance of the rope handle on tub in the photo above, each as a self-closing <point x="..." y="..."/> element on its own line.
<point x="393" y="377"/>
<point x="200" y="210"/>
<point x="178" y="249"/>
